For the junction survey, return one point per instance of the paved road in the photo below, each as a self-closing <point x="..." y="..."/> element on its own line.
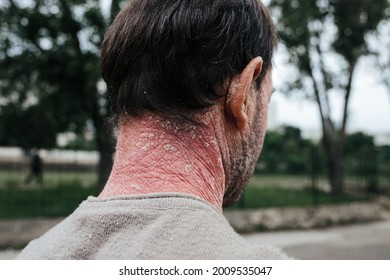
<point x="367" y="241"/>
<point x="357" y="242"/>
<point x="8" y="254"/>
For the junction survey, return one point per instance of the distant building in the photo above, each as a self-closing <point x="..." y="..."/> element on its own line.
<point x="16" y="155"/>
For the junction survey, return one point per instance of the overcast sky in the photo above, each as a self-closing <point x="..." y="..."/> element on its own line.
<point x="369" y="105"/>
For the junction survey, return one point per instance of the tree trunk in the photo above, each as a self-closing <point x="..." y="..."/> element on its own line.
<point x="336" y="173"/>
<point x="334" y="153"/>
<point x="105" y="163"/>
<point x="333" y="138"/>
<point x="105" y="145"/>
<point x="90" y="103"/>
<point x="104" y="142"/>
<point x="104" y="135"/>
<point x="115" y="8"/>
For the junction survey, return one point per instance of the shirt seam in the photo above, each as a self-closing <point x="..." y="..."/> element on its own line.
<point x="155" y="197"/>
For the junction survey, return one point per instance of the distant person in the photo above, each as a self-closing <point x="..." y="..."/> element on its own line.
<point x="36" y="168"/>
<point x="190" y="82"/>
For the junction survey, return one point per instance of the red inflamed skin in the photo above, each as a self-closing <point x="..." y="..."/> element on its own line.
<point x="212" y="157"/>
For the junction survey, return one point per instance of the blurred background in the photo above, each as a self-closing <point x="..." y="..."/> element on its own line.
<point x="326" y="156"/>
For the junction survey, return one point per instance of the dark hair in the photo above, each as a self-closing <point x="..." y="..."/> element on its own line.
<point x="162" y="55"/>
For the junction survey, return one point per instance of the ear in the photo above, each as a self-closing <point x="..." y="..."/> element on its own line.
<point x="238" y="102"/>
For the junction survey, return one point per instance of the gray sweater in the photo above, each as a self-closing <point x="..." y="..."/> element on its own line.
<point x="157" y="226"/>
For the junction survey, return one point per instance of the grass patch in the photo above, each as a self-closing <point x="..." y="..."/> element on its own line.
<point x="60" y="200"/>
<point x="281" y="197"/>
<point x="51" y="179"/>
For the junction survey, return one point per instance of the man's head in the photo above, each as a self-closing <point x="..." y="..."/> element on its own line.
<point x="172" y="57"/>
<point x="169" y="54"/>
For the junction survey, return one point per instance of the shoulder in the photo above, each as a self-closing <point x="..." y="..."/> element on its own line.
<point x="146" y="227"/>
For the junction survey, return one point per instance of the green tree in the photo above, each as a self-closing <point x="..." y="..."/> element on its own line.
<point x="272" y="154"/>
<point x="324" y="40"/>
<point x="362" y="158"/>
<point x="285" y="151"/>
<point x="380" y="47"/>
<point x="49" y="78"/>
<point x="358" y="142"/>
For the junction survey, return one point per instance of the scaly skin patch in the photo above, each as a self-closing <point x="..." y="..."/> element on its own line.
<point x="208" y="158"/>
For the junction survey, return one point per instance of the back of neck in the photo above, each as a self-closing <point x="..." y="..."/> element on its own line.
<point x="155" y="154"/>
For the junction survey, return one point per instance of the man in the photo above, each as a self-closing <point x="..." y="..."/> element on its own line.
<point x="36" y="168"/>
<point x="189" y="82"/>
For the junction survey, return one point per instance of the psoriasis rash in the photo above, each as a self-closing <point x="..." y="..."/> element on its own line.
<point x="188" y="168"/>
<point x="170" y="148"/>
<point x="135" y="187"/>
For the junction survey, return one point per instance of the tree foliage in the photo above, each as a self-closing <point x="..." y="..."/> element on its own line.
<point x="359" y="142"/>
<point x="49" y="79"/>
<point x="379" y="46"/>
<point x="285" y="151"/>
<point x="325" y="40"/>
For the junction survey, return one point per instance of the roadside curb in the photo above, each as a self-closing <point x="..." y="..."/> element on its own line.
<point x="292" y="218"/>
<point x="17" y="233"/>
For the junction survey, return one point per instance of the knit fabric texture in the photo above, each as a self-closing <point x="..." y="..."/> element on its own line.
<point x="156" y="226"/>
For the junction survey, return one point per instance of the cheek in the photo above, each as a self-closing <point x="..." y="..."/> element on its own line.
<point x="260" y="126"/>
<point x="261" y="118"/>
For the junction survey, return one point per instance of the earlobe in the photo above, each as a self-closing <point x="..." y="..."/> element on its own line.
<point x="238" y="101"/>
